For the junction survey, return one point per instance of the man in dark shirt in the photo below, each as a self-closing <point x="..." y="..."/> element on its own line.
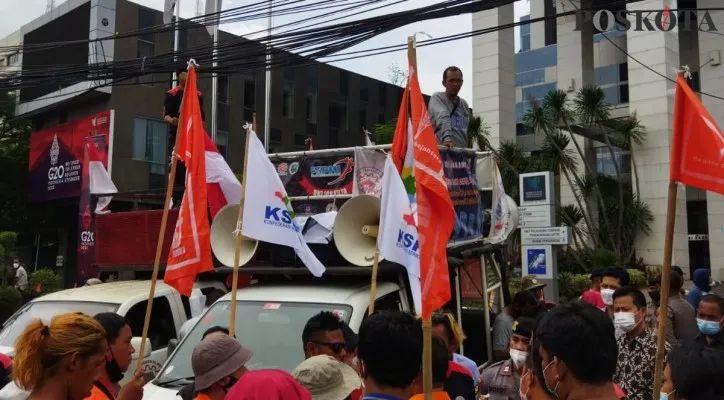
<point x="710" y="320"/>
<point x="171" y="112"/>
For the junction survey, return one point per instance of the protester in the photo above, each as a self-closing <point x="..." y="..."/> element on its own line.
<point x="211" y="298"/>
<point x="637" y="347"/>
<point x="534" y="286"/>
<point x="592" y="296"/>
<point x="524" y="304"/>
<point x="188" y="392"/>
<point x="60" y="361"/>
<point x="218" y="362"/>
<point x="701" y="286"/>
<point x="390" y="354"/>
<point x="323" y="334"/>
<point x="351" y="339"/>
<point x="652" y="308"/>
<point x="613" y="278"/>
<point x="326" y="378"/>
<point x="449" y="113"/>
<point x="710" y="321"/>
<point x="501" y="380"/>
<point x="21" y="276"/>
<point x="532" y="381"/>
<point x="268" y="384"/>
<point x="680" y="315"/>
<point x="118" y="359"/>
<point x="445" y="327"/>
<point x="440" y="359"/>
<point x="578" y="352"/>
<point x="693" y="373"/>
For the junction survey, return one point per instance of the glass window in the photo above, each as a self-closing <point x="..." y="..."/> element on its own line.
<point x="146" y="20"/>
<point x="312" y="75"/>
<point x="161" y="328"/>
<point x="605" y="166"/>
<point x="623" y="93"/>
<point x="536" y="59"/>
<point x="525" y="43"/>
<point x="250" y="94"/>
<point x="538" y="91"/>
<point x="344" y="83"/>
<point x="530" y="77"/>
<point x="525" y="28"/>
<point x="338" y="116"/>
<point x="333" y="138"/>
<point x="623" y="72"/>
<point x="275" y="134"/>
<point x="363" y="119"/>
<point x="149" y="143"/>
<point x="288" y="100"/>
<point x="382" y="94"/>
<point x="312" y="105"/>
<point x="289" y="74"/>
<point x="611" y="94"/>
<point x="607" y="74"/>
<point x="223" y="82"/>
<point x="45" y="311"/>
<point x="299" y="140"/>
<point x="222" y="142"/>
<point x="364" y="94"/>
<point x="145" y="49"/>
<point x="520" y="109"/>
<point x="520" y="129"/>
<point x="222" y="118"/>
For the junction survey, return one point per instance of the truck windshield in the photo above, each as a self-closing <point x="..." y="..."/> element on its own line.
<point x="45" y="311"/>
<point x="273" y="331"/>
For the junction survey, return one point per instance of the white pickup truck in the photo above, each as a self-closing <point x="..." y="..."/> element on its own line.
<point x="270" y="317"/>
<point x="127" y="298"/>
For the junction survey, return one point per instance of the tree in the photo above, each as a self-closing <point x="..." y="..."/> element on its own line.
<point x="14" y="138"/>
<point x="397" y="75"/>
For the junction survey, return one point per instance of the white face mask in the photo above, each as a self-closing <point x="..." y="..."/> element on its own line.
<point x="625" y="321"/>
<point x="16" y="265"/>
<point x="607" y="295"/>
<point x="519" y="357"/>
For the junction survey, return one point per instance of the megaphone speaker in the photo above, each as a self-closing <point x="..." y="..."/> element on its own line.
<point x="355" y="229"/>
<point x="223" y="241"/>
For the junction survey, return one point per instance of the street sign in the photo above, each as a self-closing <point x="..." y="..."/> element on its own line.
<point x="536" y="188"/>
<point x="538" y="261"/>
<point x="555" y="235"/>
<point x="536" y="216"/>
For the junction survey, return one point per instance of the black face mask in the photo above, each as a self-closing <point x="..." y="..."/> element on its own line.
<point x="115" y="374"/>
<point x="228" y="386"/>
<point x="655" y="296"/>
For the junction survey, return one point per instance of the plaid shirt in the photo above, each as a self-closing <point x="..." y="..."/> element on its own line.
<point x="636" y="364"/>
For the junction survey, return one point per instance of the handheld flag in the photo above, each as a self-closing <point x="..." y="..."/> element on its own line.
<point x="222" y="185"/>
<point x="697" y="145"/>
<point x="268" y="214"/>
<point x="100" y="179"/>
<point x="190" y="252"/>
<point x="398" y="238"/>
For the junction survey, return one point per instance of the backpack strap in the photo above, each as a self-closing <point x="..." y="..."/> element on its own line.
<point x="104" y="389"/>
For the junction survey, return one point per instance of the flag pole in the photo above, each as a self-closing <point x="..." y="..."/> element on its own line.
<point x="426" y="322"/>
<point x="373" y="283"/>
<point x="215" y="75"/>
<point x="239" y="238"/>
<point x="665" y="283"/>
<point x="176" y="25"/>
<point x="268" y="82"/>
<point x="159" y="247"/>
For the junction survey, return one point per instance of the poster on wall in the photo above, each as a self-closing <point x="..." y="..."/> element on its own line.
<point x="56" y="156"/>
<point x="317" y="176"/>
<point x="459" y="169"/>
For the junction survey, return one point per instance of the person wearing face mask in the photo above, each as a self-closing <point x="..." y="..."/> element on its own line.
<point x="501" y="381"/>
<point x="118" y="359"/>
<point x="637" y="347"/>
<point x="218" y="362"/>
<point x="693" y="373"/>
<point x="21" y="276"/>
<point x="613" y="278"/>
<point x="577" y="352"/>
<point x="532" y="381"/>
<point x="710" y="321"/>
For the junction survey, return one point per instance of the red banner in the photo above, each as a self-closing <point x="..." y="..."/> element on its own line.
<point x="56" y="156"/>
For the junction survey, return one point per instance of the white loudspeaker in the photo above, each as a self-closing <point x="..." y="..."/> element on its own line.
<point x="223" y="241"/>
<point x="514" y="216"/>
<point x="356" y="228"/>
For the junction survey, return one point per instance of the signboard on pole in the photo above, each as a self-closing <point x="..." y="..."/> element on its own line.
<point x="538" y="261"/>
<point x="558" y="235"/>
<point x="536" y="188"/>
<point x="536" y="216"/>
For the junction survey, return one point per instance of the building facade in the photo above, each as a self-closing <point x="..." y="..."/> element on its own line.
<point x="318" y="101"/>
<point x="554" y="54"/>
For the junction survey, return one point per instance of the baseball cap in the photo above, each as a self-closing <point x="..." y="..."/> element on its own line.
<point x="215" y="358"/>
<point x="326" y="378"/>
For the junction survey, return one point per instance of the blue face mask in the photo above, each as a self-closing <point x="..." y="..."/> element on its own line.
<point x="665" y="396"/>
<point x="708" y="328"/>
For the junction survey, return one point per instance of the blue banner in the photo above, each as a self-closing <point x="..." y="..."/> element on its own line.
<point x="459" y="168"/>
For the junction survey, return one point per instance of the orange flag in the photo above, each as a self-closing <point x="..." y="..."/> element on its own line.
<point x="190" y="252"/>
<point x="697" y="149"/>
<point x="435" y="212"/>
<point x="401" y="140"/>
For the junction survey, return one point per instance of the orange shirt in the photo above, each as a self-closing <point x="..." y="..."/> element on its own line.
<point x="436" y="395"/>
<point x="202" y="396"/>
<point x="98" y="394"/>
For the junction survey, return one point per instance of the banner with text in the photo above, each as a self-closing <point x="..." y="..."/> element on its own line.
<point x="56" y="155"/>
<point x="316" y="176"/>
<point x="459" y="168"/>
<point x="86" y="264"/>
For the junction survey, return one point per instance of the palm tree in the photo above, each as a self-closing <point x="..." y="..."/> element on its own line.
<point x="592" y="110"/>
<point x="630" y="132"/>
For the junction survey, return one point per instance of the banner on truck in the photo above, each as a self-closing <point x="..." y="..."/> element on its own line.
<point x="459" y="168"/>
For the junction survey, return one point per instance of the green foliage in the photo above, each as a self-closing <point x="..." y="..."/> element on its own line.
<point x="10" y="300"/>
<point x="637" y="278"/>
<point x="46" y="280"/>
<point x="385" y="132"/>
<point x="571" y="286"/>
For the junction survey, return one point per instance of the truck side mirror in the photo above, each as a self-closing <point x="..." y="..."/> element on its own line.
<point x="136" y="343"/>
<point x="172" y="344"/>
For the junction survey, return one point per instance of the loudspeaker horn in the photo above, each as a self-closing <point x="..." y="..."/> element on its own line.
<point x="223" y="242"/>
<point x="355" y="229"/>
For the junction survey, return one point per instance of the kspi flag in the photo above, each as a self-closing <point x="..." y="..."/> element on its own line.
<point x="190" y="252"/>
<point x="398" y="238"/>
<point x="268" y="214"/>
<point x="697" y="148"/>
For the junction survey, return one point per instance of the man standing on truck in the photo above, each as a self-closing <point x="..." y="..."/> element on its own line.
<point x="323" y="334"/>
<point x="118" y="359"/>
<point x="449" y="113"/>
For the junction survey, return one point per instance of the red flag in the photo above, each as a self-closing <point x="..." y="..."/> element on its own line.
<point x="401" y="140"/>
<point x="190" y="252"/>
<point x="222" y="185"/>
<point x="435" y="212"/>
<point x="697" y="148"/>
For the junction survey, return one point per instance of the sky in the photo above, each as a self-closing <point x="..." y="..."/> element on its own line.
<point x="432" y="60"/>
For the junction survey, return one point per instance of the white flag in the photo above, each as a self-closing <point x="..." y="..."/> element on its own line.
<point x="368" y="167"/>
<point x="169" y="7"/>
<point x="398" y="238"/>
<point x="501" y="224"/>
<point x="268" y="214"/>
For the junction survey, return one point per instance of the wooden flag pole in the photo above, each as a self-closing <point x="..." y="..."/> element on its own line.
<point x="426" y="322"/>
<point x="373" y="283"/>
<point x="159" y="244"/>
<point x="239" y="238"/>
<point x="665" y="283"/>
